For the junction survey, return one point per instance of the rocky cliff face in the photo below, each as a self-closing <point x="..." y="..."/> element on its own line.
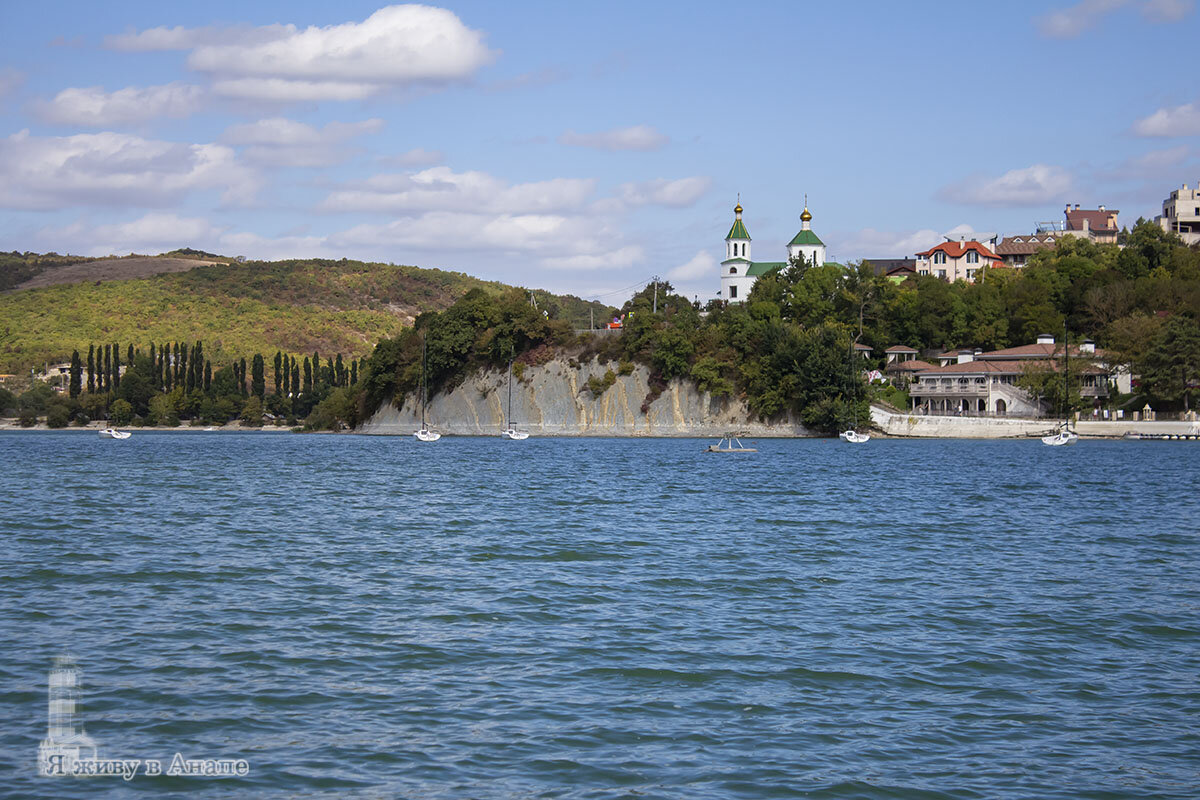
<point x="554" y="400"/>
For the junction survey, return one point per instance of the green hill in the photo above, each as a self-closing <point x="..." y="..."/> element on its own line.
<point x="236" y="309"/>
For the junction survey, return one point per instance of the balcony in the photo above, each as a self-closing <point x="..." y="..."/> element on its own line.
<point x="952" y="390"/>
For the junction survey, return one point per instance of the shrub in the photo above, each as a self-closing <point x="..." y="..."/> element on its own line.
<point x="27" y="418"/>
<point x="120" y="412"/>
<point x="598" y="386"/>
<point x="625" y="367"/>
<point x="58" y="416"/>
<point x="82" y="419"/>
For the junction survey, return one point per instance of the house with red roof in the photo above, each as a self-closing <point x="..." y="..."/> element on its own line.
<point x="957" y="261"/>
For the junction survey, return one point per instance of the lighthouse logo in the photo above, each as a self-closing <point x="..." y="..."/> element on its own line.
<point x="66" y="747"/>
<point x="68" y="751"/>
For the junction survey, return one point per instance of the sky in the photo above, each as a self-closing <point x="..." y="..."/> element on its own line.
<point x="582" y="147"/>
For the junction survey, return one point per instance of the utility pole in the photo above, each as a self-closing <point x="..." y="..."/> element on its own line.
<point x="655" y="279"/>
<point x="592" y="318"/>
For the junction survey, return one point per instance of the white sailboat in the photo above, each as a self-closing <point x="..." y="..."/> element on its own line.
<point x="425" y="435"/>
<point x="113" y="433"/>
<point x="1065" y="437"/>
<point x="510" y="431"/>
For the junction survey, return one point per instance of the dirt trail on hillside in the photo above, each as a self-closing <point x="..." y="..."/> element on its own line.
<point x="111" y="269"/>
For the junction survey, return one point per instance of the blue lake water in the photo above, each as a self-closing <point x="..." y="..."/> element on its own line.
<point x="605" y="618"/>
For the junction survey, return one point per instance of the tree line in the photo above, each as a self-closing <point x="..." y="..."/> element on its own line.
<point x="164" y="384"/>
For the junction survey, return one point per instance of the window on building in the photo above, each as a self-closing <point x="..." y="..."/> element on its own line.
<point x="733" y="270"/>
<point x="732" y="292"/>
<point x="939" y="258"/>
<point x="970" y="274"/>
<point x="972" y="257"/>
<point x="941" y="273"/>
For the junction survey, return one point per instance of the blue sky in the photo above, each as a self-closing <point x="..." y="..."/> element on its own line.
<point x="582" y="147"/>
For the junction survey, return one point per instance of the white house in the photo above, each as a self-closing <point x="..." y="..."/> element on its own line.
<point x="739" y="272"/>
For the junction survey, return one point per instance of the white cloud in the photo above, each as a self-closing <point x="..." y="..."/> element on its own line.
<point x="1040" y="184"/>
<point x="614" y="259"/>
<point x="440" y="188"/>
<point x="1167" y="122"/>
<point x="181" y="38"/>
<point x="701" y="265"/>
<point x="93" y="107"/>
<point x="1070" y="22"/>
<point x="638" y="137"/>
<point x="155" y="232"/>
<point x="115" y="169"/>
<point x="1167" y="10"/>
<point x="417" y="157"/>
<point x="253" y="245"/>
<point x="397" y="46"/>
<point x="555" y="240"/>
<point x="872" y="243"/>
<point x="10" y="79"/>
<point x="283" y="142"/>
<point x="672" y="193"/>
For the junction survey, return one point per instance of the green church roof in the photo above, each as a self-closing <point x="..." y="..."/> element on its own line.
<point x="806" y="237"/>
<point x="738" y="231"/>
<point x="760" y="268"/>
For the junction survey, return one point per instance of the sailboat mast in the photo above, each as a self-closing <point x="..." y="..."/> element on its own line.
<point x="510" y="363"/>
<point x="1066" y="381"/>
<point x="424" y="380"/>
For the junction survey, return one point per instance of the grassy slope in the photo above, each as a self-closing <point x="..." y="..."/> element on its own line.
<point x="236" y="310"/>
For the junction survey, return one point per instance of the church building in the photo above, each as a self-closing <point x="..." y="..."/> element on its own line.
<point x="739" y="272"/>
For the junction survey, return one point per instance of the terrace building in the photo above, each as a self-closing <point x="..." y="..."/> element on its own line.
<point x="986" y="384"/>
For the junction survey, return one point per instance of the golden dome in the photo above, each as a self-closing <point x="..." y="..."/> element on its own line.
<point x="737" y="209"/>
<point x="806" y="217"/>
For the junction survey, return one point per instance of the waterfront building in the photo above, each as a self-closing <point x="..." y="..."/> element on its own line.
<point x="1181" y="214"/>
<point x="972" y="382"/>
<point x="739" y="272"/>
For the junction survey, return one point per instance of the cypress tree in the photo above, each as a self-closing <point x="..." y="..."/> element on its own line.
<point x="295" y="377"/>
<point x="339" y="371"/>
<point x="76" y="374"/>
<point x="185" y="374"/>
<point x="108" y="368"/>
<point x="197" y="378"/>
<point x="278" y="372"/>
<point x="175" y="365"/>
<point x="353" y="371"/>
<point x="308" y="377"/>
<point x="258" y="377"/>
<point x="168" y="369"/>
<point x="242" y="382"/>
<point x="207" y="376"/>
<point x="316" y="368"/>
<point x="116" y="372"/>
<point x="91" y="369"/>
<point x="129" y="355"/>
